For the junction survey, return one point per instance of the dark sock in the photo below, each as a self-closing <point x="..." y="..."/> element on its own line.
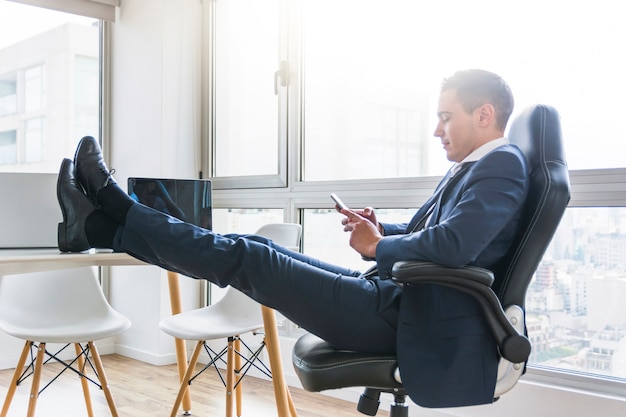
<point x="115" y="202"/>
<point x="100" y="230"/>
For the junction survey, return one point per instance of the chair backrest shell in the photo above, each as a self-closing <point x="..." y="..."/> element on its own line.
<point x="537" y="132"/>
<point x="57" y="306"/>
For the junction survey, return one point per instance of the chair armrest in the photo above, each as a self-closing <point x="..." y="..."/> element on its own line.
<point x="415" y="272"/>
<point x="476" y="282"/>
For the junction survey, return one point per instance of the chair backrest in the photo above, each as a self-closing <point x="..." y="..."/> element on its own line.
<point x="537" y="132"/>
<point x="44" y="303"/>
<point x="285" y="234"/>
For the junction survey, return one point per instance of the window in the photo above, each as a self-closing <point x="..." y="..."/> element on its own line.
<point x="8" y="96"/>
<point x="325" y="239"/>
<point x="33" y="140"/>
<point x="575" y="312"/>
<point x="34" y="90"/>
<point x="49" y="97"/>
<point x="244" y="220"/>
<point x="8" y="147"/>
<point x="246" y="130"/>
<point x="362" y="90"/>
<point x="370" y="92"/>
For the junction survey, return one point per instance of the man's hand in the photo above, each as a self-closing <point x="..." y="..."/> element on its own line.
<point x="364" y="229"/>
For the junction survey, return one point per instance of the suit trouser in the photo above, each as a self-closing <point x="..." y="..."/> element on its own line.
<point x="334" y="303"/>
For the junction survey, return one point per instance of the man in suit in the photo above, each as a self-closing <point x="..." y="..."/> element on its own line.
<point x="446" y="357"/>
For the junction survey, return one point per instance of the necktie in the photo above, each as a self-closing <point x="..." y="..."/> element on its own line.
<point x="456" y="172"/>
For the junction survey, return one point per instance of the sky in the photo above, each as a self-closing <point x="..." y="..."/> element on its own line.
<point x="13" y="16"/>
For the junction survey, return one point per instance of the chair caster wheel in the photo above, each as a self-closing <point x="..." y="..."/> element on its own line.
<point x="369" y="402"/>
<point x="399" y="410"/>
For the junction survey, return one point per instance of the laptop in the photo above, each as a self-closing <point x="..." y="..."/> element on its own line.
<point x="29" y="211"/>
<point x="186" y="199"/>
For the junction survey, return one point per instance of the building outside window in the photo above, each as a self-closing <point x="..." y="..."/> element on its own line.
<point x="43" y="111"/>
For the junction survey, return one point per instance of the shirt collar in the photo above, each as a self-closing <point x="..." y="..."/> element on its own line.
<point x="482" y="151"/>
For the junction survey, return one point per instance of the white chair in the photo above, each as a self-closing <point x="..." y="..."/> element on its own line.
<point x="62" y="306"/>
<point x="232" y="316"/>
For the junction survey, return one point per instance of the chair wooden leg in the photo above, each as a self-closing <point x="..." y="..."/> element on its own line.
<point x="83" y="381"/>
<point x="238" y="382"/>
<point x="34" y="389"/>
<point x="230" y="376"/>
<point x="16" y="376"/>
<point x="184" y="383"/>
<point x="284" y="402"/>
<point x="181" y="352"/>
<point x="102" y="377"/>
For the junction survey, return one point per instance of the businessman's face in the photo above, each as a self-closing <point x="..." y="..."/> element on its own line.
<point x="456" y="128"/>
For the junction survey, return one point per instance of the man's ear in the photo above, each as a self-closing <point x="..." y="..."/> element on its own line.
<point x="486" y="114"/>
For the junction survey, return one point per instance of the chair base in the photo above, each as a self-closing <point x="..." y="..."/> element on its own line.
<point x="36" y="365"/>
<point x="369" y="402"/>
<point x="235" y="371"/>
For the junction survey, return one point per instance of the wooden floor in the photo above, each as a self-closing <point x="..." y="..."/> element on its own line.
<point x="144" y="390"/>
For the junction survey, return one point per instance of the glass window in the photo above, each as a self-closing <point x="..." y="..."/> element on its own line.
<point x="86" y="114"/>
<point x="362" y="98"/>
<point x="325" y="239"/>
<point x="246" y="107"/>
<point x="8" y="96"/>
<point x="576" y="316"/>
<point x="8" y="147"/>
<point x="33" y="140"/>
<point x="49" y="85"/>
<point x="370" y="92"/>
<point x="34" y="89"/>
<point x="244" y="220"/>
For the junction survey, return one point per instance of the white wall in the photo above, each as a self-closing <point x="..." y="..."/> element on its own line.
<point x="155" y="102"/>
<point x="154" y="127"/>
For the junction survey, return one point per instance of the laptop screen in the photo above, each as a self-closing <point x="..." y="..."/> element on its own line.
<point x="187" y="200"/>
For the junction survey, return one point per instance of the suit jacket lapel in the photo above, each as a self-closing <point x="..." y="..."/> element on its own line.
<point x="434" y="219"/>
<point x="430" y="209"/>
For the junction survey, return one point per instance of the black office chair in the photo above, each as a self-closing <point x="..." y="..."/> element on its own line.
<point x="500" y="292"/>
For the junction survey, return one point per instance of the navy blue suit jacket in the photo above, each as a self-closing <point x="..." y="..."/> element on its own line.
<point x="445" y="352"/>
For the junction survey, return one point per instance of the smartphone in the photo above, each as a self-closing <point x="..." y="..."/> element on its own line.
<point x="338" y="201"/>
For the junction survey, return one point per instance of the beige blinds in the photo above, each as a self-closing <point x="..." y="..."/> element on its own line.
<point x="99" y="9"/>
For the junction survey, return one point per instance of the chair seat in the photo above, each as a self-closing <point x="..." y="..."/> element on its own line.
<point x="209" y="323"/>
<point x="87" y="330"/>
<point x="320" y="366"/>
<point x="64" y="306"/>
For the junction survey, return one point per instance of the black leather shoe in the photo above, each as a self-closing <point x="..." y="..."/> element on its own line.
<point x="75" y="207"/>
<point x="91" y="171"/>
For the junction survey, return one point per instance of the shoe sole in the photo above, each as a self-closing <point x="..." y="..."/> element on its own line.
<point x="62" y="228"/>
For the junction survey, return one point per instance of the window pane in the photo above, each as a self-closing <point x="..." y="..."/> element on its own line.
<point x="33" y="89"/>
<point x="244" y="220"/>
<point x="370" y="93"/>
<point x="8" y="97"/>
<point x="246" y="108"/>
<point x="33" y="140"/>
<point x="8" y="147"/>
<point x="576" y="314"/>
<point x="49" y="85"/>
<point x="324" y="238"/>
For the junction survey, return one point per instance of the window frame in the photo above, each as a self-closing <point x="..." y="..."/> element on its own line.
<point x="605" y="187"/>
<point x="208" y="125"/>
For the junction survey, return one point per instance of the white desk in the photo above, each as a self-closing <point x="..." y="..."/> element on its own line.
<point x="22" y="261"/>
